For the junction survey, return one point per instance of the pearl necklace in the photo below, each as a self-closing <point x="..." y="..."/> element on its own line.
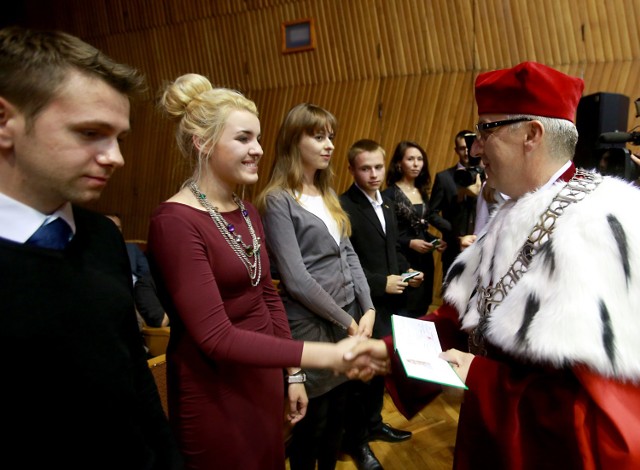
<point x="228" y="231"/>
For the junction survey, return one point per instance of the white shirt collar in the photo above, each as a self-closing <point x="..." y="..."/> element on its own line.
<point x="19" y="221"/>
<point x="556" y="175"/>
<point x="377" y="201"/>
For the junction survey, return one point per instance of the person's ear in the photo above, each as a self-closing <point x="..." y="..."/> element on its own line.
<point x="198" y="143"/>
<point x="8" y="116"/>
<point x="534" y="136"/>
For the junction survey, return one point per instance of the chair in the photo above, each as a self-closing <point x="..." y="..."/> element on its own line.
<point x="155" y="339"/>
<point x="158" y="366"/>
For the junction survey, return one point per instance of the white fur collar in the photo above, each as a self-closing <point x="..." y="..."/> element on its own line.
<point x="588" y="290"/>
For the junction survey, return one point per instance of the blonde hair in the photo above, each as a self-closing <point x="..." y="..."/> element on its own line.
<point x="287" y="172"/>
<point x="201" y="112"/>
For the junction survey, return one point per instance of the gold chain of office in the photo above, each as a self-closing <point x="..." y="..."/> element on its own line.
<point x="575" y="190"/>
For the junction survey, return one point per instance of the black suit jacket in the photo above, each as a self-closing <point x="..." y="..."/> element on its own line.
<point x="148" y="304"/>
<point x="459" y="215"/>
<point x="378" y="252"/>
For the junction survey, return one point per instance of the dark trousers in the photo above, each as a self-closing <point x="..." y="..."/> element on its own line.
<point x="318" y="436"/>
<point x="364" y="411"/>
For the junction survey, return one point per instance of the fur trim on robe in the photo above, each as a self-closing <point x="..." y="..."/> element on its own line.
<point x="579" y="303"/>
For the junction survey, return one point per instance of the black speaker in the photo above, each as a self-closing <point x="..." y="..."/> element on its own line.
<point x="598" y="113"/>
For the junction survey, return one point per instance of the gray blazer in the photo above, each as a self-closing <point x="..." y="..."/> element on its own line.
<point x="318" y="276"/>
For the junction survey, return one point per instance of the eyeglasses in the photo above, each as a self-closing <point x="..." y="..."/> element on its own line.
<point x="483" y="127"/>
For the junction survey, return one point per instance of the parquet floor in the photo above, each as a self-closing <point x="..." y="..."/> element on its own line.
<point x="433" y="440"/>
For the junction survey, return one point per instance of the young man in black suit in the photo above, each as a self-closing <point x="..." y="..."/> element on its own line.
<point x="456" y="203"/>
<point x="374" y="238"/>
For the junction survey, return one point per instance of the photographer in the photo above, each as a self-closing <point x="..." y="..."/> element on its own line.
<point x="454" y="195"/>
<point x="616" y="159"/>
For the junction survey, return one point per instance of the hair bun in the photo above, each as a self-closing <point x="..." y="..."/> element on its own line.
<point x="180" y="94"/>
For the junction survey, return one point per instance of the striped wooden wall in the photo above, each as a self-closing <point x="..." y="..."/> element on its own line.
<point x="389" y="69"/>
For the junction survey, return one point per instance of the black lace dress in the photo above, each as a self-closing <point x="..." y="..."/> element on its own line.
<point x="413" y="223"/>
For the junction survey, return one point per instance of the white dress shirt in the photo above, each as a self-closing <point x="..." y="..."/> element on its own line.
<point x="19" y="221"/>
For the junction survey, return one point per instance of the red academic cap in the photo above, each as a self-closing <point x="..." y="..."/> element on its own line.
<point x="529" y="88"/>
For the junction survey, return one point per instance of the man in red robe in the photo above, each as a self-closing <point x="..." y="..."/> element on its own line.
<point x="547" y="296"/>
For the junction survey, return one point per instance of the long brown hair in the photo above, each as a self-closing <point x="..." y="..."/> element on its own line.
<point x="394" y="173"/>
<point x="287" y="172"/>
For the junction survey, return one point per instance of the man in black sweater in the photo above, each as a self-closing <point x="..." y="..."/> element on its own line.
<point x="77" y="392"/>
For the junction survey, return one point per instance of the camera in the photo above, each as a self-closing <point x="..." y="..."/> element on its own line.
<point x="616" y="160"/>
<point x="467" y="176"/>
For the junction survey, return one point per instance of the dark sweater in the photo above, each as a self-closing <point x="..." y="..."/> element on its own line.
<point x="76" y="388"/>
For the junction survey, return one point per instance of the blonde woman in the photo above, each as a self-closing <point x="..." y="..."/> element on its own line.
<point x="229" y="333"/>
<point x="325" y="292"/>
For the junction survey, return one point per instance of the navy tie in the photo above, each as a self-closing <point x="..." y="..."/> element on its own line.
<point x="54" y="235"/>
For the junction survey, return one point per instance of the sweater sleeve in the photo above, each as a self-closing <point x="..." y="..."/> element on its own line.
<point x="270" y="294"/>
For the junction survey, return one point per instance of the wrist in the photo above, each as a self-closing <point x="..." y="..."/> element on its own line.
<point x="299" y="377"/>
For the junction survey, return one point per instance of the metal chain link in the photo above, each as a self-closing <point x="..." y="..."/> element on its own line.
<point x="489" y="297"/>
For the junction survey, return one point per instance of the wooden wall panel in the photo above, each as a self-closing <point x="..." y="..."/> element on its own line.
<point x="419" y="37"/>
<point x="389" y="69"/>
<point x="355" y="105"/>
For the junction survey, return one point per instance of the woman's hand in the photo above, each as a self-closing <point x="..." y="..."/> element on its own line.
<point x="367" y="358"/>
<point x="365" y="327"/>
<point x="358" y="362"/>
<point x="352" y="330"/>
<point x="421" y="246"/>
<point x="298" y="402"/>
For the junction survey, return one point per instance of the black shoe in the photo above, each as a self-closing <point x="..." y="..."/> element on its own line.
<point x="364" y="458"/>
<point x="388" y="434"/>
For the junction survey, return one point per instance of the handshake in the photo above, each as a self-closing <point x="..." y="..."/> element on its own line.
<point x="361" y="358"/>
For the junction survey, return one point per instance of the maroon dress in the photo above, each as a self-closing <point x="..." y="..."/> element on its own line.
<point x="227" y="348"/>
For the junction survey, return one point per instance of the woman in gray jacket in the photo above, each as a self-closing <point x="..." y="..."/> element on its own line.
<point x="325" y="292"/>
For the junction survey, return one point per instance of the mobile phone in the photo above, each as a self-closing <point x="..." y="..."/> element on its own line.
<point x="435" y="242"/>
<point x="411" y="275"/>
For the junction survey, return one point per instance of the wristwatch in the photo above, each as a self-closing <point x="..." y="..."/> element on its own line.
<point x="298" y="378"/>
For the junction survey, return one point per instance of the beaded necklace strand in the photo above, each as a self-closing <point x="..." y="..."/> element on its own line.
<point x="228" y="231"/>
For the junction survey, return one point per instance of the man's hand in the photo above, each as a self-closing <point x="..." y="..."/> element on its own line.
<point x="474" y="189"/>
<point x="460" y="362"/>
<point x="466" y="241"/>
<point x="367" y="358"/>
<point x="395" y="284"/>
<point x="416" y="281"/>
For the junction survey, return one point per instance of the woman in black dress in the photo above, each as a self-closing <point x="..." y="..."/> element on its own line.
<point x="408" y="185"/>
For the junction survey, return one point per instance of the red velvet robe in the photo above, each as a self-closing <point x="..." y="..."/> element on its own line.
<point x="560" y="386"/>
<point x="518" y="416"/>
